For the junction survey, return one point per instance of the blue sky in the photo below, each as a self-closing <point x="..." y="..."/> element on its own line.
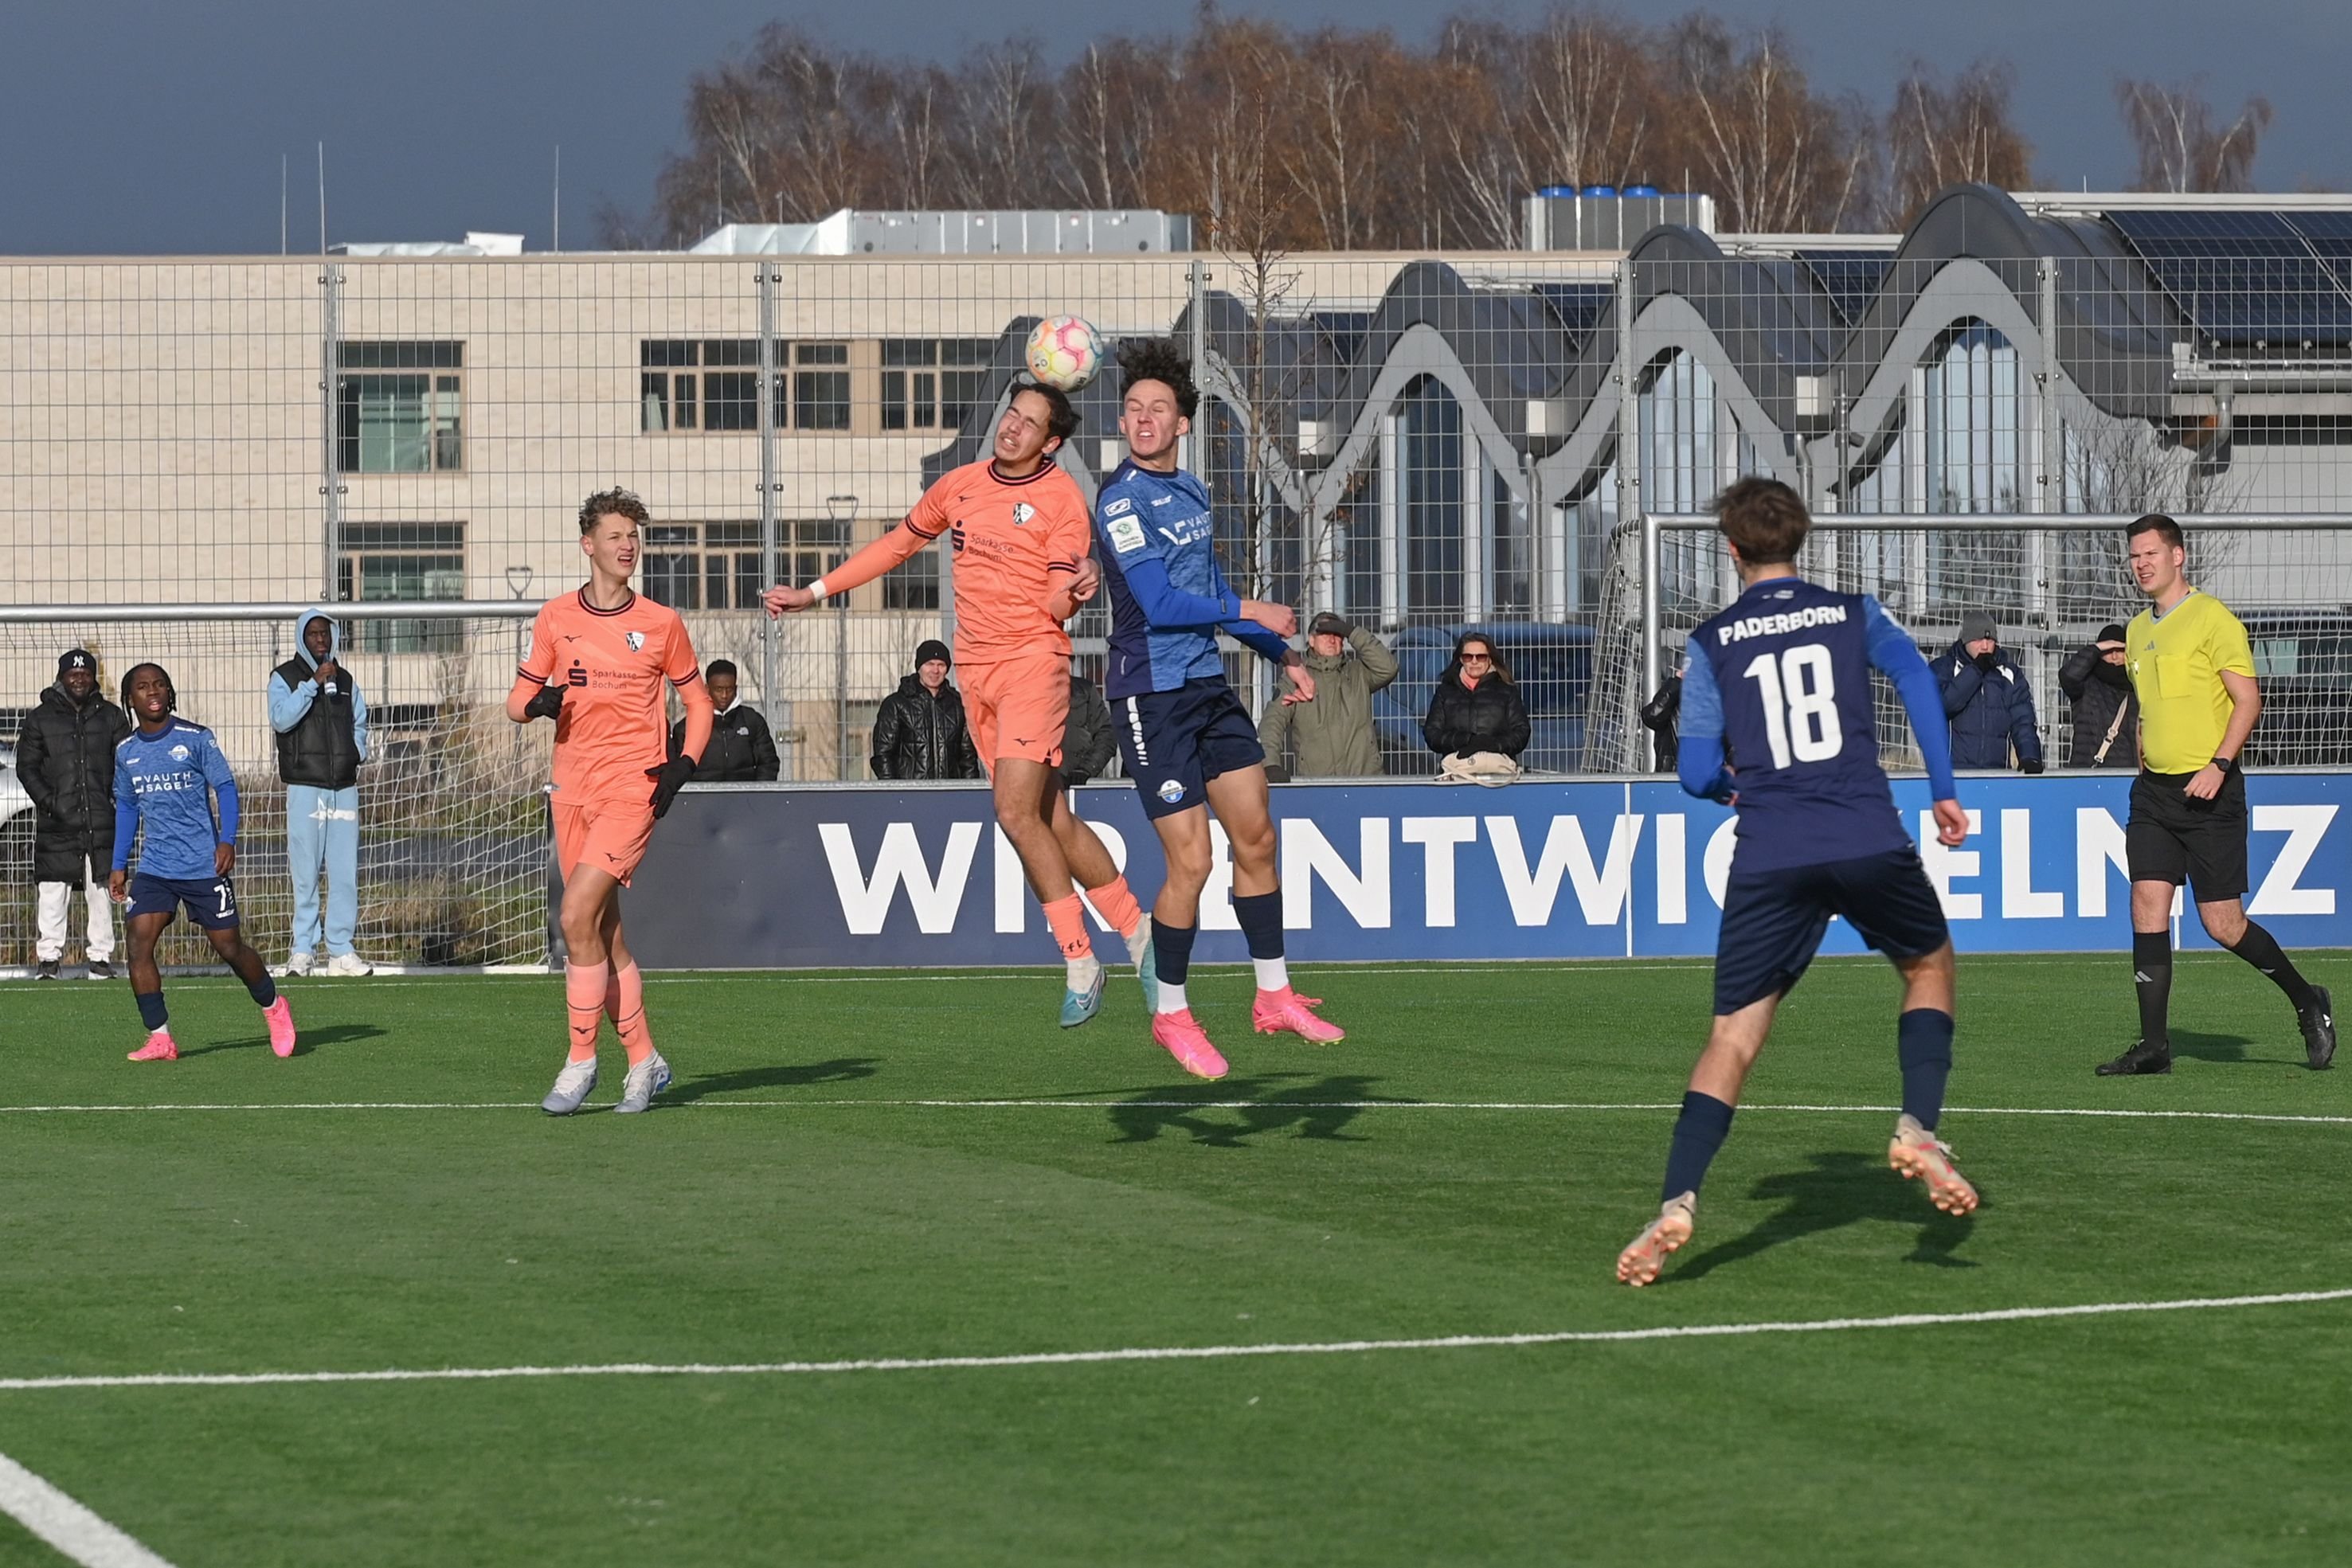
<point x="142" y="126"/>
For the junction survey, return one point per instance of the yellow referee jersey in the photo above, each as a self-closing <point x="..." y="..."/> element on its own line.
<point x="2175" y="662"/>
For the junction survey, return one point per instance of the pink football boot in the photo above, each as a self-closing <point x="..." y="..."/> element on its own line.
<point x="159" y="1048"/>
<point x="1275" y="1012"/>
<point x="281" y="1026"/>
<point x="1188" y="1042"/>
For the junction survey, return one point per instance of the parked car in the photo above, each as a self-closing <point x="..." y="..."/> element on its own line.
<point x="1551" y="663"/>
<point x="15" y="823"/>
<point x="2304" y="660"/>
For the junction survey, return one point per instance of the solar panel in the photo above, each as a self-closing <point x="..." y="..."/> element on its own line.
<point x="2329" y="234"/>
<point x="2245" y="279"/>
<point x="1850" y="278"/>
<point x="1579" y="306"/>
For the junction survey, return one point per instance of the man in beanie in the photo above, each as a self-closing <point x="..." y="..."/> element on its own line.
<point x="2106" y="713"/>
<point x="919" y="730"/>
<point x="65" y="759"/>
<point x="1332" y="736"/>
<point x="1987" y="699"/>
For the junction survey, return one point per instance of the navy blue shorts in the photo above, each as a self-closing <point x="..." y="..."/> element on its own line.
<point x="1773" y="921"/>
<point x="211" y="902"/>
<point x="1175" y="742"/>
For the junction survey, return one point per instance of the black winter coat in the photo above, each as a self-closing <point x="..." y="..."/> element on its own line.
<point x="1462" y="720"/>
<point x="918" y="736"/>
<point x="2099" y="690"/>
<point x="1086" y="740"/>
<point x="65" y="759"/>
<point x="741" y="751"/>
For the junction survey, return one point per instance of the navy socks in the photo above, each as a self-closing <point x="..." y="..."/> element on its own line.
<point x="1923" y="1043"/>
<point x="1699" y="1132"/>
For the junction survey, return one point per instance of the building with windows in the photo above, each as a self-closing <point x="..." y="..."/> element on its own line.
<point x="1417" y="442"/>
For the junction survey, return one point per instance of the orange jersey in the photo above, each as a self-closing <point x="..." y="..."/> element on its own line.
<point x="611" y="663"/>
<point x="1014" y="538"/>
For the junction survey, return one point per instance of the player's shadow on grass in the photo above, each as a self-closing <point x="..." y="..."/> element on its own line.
<point x="306" y="1039"/>
<point x="1840" y="1187"/>
<point x="789" y="1075"/>
<point x="2216" y="1047"/>
<point x="1274" y="1102"/>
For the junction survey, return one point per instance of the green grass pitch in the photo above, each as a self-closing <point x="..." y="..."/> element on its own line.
<point x="819" y="1186"/>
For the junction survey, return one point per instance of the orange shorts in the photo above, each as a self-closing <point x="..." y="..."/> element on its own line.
<point x="610" y="837"/>
<point x="1017" y="707"/>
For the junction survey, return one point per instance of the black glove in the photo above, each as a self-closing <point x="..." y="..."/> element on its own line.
<point x="668" y="779"/>
<point x="548" y="704"/>
<point x="1988" y="660"/>
<point x="2031" y="765"/>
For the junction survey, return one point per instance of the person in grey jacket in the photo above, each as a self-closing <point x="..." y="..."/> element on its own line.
<point x="1086" y="738"/>
<point x="1987" y="699"/>
<point x="1332" y="736"/>
<point x="2094" y="682"/>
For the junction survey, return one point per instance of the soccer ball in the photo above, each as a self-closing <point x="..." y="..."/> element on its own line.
<point x="1064" y="352"/>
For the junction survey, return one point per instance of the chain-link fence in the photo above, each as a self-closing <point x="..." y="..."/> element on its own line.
<point x="1421" y="445"/>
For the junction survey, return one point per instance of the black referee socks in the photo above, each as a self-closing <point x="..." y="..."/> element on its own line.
<point x="2152" y="978"/>
<point x="2261" y="949"/>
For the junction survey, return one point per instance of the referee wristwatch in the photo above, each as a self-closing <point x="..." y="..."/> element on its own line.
<point x="2228" y="765"/>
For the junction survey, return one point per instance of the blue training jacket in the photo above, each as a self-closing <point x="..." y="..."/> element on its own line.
<point x="1168" y="599"/>
<point x="164" y="784"/>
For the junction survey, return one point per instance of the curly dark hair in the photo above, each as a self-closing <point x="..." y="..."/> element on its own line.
<point x="1061" y="419"/>
<point x="1159" y="359"/>
<point x="616" y="501"/>
<point x="1765" y="518"/>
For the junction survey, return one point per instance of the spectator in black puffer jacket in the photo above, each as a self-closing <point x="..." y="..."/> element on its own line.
<point x="1477" y="706"/>
<point x="65" y="759"/>
<point x="2094" y="682"/>
<point x="919" y="730"/>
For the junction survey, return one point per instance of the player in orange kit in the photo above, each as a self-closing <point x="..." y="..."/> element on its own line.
<point x="598" y="658"/>
<point x="1021" y="528"/>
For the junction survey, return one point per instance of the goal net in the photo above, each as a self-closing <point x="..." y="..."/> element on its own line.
<point x="454" y="833"/>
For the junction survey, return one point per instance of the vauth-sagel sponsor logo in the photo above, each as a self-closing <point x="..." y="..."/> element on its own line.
<point x="1595" y="867"/>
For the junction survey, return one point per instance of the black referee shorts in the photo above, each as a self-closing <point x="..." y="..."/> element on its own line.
<point x="2172" y="838"/>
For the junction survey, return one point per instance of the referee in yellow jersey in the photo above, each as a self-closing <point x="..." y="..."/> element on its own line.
<point x="2193" y="672"/>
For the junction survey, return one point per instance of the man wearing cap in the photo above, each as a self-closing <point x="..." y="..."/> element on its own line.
<point x="1332" y="736"/>
<point x="2106" y="728"/>
<point x="65" y="759"/>
<point x="321" y="721"/>
<point x="1988" y="700"/>
<point x="919" y="731"/>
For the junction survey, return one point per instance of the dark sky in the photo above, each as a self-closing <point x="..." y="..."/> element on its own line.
<point x="134" y="126"/>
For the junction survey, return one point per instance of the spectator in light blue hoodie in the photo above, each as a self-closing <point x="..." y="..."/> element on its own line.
<point x="323" y="738"/>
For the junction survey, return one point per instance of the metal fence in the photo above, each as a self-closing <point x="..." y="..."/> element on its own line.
<point x="1423" y="444"/>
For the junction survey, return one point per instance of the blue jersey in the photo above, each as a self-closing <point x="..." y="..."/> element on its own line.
<point x="164" y="783"/>
<point x="1780" y="683"/>
<point x="1168" y="599"/>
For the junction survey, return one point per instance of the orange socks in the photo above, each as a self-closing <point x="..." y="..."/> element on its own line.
<point x="583" y="999"/>
<point x="1115" y="903"/>
<point x="1067" y="917"/>
<point x="627" y="997"/>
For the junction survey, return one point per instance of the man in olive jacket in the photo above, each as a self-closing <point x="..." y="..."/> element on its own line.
<point x="65" y="760"/>
<point x="1332" y="736"/>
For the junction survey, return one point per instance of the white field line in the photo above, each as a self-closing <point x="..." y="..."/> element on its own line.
<point x="1159" y="1353"/>
<point x="1563" y="1106"/>
<point x="73" y="1530"/>
<point x="396" y="976"/>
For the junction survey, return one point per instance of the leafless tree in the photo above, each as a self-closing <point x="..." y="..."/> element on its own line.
<point x="1778" y="157"/>
<point x="2180" y="147"/>
<point x="1939" y="134"/>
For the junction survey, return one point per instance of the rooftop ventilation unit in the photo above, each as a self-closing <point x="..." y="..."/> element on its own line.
<point x="1602" y="217"/>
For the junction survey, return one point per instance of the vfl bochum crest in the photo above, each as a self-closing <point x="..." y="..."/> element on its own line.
<point x="636" y="641"/>
<point x="1022" y="512"/>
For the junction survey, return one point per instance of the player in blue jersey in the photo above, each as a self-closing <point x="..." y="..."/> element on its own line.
<point x="1189" y="743"/>
<point x="167" y="772"/>
<point x="1776" y="720"/>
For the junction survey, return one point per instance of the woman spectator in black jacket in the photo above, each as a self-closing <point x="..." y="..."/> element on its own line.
<point x="2094" y="681"/>
<point x="1477" y="706"/>
<point x="919" y="731"/>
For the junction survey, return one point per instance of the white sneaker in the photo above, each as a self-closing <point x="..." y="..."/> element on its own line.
<point x="295" y="967"/>
<point x="346" y="964"/>
<point x="571" y="1086"/>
